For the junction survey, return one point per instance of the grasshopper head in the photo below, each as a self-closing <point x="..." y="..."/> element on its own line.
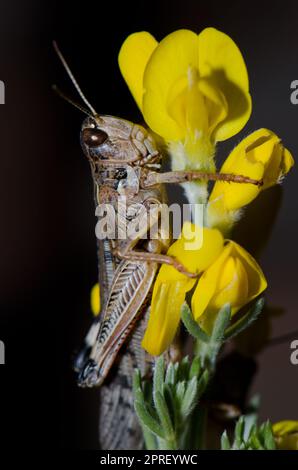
<point x="107" y="140"/>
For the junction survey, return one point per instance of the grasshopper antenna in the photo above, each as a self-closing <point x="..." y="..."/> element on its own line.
<point x="75" y="83"/>
<point x="70" y="101"/>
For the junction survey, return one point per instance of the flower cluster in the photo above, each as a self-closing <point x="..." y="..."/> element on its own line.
<point x="228" y="275"/>
<point x="193" y="91"/>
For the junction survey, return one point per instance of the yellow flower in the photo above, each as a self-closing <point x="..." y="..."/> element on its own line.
<point x="192" y="89"/>
<point x="95" y="300"/>
<point x="171" y="286"/>
<point x="286" y="435"/>
<point x="234" y="278"/>
<point x="230" y="275"/>
<point x="261" y="155"/>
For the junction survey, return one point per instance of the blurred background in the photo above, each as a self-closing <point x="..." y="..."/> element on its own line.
<point x="48" y="252"/>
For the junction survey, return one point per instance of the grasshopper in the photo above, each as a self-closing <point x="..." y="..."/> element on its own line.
<point x="125" y="161"/>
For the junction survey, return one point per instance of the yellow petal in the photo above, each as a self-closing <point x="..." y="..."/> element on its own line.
<point x="207" y="244"/>
<point x="164" y="317"/>
<point x="287" y="442"/>
<point x="285" y="427"/>
<point x="286" y="435"/>
<point x="233" y="286"/>
<point x="227" y="273"/>
<point x="248" y="144"/>
<point x="169" y="62"/>
<point x="216" y="103"/>
<point x="256" y="280"/>
<point x="279" y="165"/>
<point x="237" y="195"/>
<point x="221" y="61"/>
<point x="196" y="115"/>
<point x="133" y="58"/>
<point x="197" y="252"/>
<point x="186" y="104"/>
<point x="235" y="278"/>
<point x="188" y="84"/>
<point x="207" y="284"/>
<point x="288" y="161"/>
<point x="95" y="299"/>
<point x="171" y="286"/>
<point x="261" y="155"/>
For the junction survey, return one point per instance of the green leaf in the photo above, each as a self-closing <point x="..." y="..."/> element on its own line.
<point x="246" y="320"/>
<point x="137" y="387"/>
<point x="255" y="442"/>
<point x="225" y="443"/>
<point x="253" y="430"/>
<point x="203" y="382"/>
<point x="166" y="406"/>
<point x="195" y="368"/>
<point x="168" y="392"/>
<point x="190" y="398"/>
<point x="183" y="369"/>
<point x="171" y="374"/>
<point x="269" y="441"/>
<point x="195" y="438"/>
<point x="239" y="429"/>
<point x="180" y="390"/>
<point x="147" y="420"/>
<point x="250" y="422"/>
<point x="147" y="391"/>
<point x="254" y="438"/>
<point x="164" y="415"/>
<point x="158" y="376"/>
<point x="191" y="325"/>
<point x="220" y="324"/>
<point x="262" y="429"/>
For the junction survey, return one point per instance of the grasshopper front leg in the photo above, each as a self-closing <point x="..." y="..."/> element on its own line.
<point x="153" y="178"/>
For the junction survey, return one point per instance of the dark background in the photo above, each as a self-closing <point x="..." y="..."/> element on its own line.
<point x="48" y="256"/>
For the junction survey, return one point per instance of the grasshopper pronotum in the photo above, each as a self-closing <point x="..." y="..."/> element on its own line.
<point x="124" y="160"/>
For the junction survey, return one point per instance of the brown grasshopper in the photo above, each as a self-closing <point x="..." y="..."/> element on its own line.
<point x="125" y="161"/>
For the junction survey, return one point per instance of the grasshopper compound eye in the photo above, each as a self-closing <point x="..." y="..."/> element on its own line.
<point x="94" y="137"/>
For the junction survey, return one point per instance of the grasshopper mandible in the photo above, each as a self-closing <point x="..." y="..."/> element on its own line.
<point x="125" y="160"/>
